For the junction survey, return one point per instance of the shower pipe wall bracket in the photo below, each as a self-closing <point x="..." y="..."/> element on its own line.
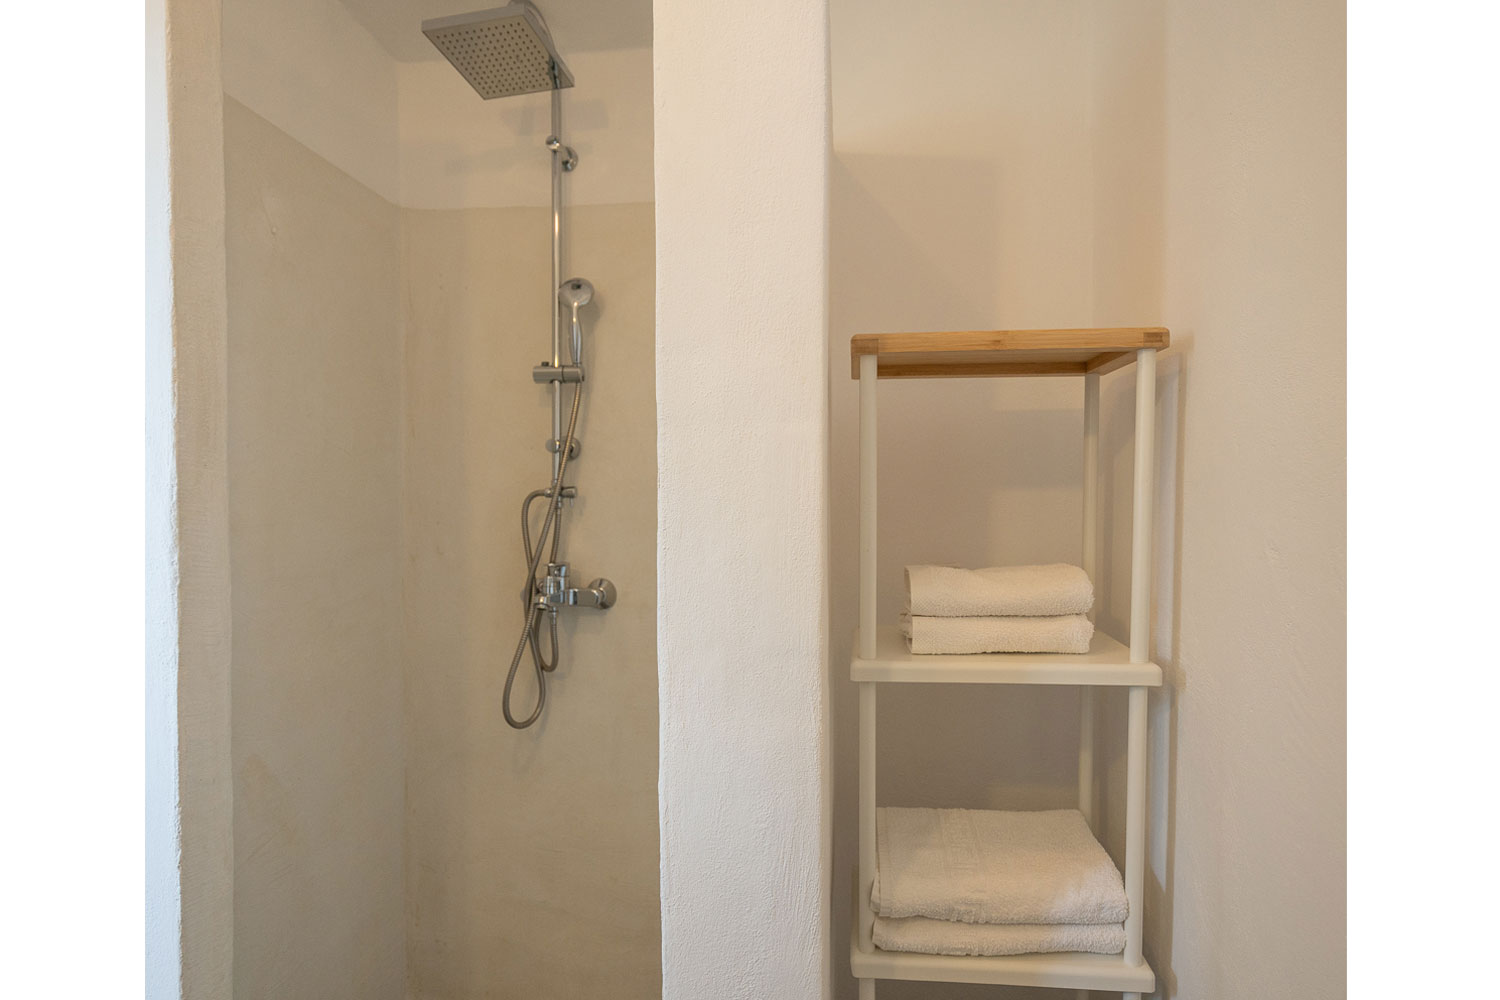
<point x="546" y="372"/>
<point x="569" y="159"/>
<point x="554" y="445"/>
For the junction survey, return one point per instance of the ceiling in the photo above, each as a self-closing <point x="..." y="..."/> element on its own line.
<point x="576" y="25"/>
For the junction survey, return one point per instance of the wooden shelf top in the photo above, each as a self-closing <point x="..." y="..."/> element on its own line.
<point x="1004" y="353"/>
<point x="1106" y="663"/>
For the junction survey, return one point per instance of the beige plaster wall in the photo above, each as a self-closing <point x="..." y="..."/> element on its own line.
<point x="496" y="854"/>
<point x="315" y="529"/>
<point x="531" y="857"/>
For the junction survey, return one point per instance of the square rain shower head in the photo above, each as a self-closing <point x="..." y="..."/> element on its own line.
<point x="501" y="52"/>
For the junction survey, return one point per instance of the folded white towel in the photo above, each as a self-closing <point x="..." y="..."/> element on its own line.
<point x="994" y="867"/>
<point x="1055" y="634"/>
<point x="948" y="592"/>
<point x="950" y="937"/>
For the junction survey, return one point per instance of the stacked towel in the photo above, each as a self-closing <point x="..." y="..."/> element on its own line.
<point x="946" y="937"/>
<point x="1003" y="609"/>
<point x="983" y="882"/>
<point x="948" y="592"/>
<point x="1051" y="634"/>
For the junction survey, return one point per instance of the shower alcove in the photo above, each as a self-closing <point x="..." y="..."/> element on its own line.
<point x="390" y="291"/>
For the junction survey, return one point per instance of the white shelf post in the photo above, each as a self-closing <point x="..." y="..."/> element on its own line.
<point x="1091" y="476"/>
<point x="866" y="814"/>
<point x="1140" y="534"/>
<point x="1090" y="565"/>
<point x="1135" y="823"/>
<point x="867" y="383"/>
<point x="1086" y="755"/>
<point x="1140" y="649"/>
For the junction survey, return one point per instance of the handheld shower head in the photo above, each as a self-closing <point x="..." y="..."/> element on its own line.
<point x="576" y="293"/>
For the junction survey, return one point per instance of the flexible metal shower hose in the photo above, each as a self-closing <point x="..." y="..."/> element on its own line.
<point x="529" y="633"/>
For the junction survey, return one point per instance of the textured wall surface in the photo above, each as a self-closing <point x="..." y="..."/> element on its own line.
<point x="741" y="173"/>
<point x="309" y="67"/>
<point x="531" y="857"/>
<point x="315" y="478"/>
<point x="188" y="803"/>
<point x="1254" y="276"/>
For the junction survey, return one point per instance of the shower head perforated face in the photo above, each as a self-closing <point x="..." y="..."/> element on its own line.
<point x="501" y="52"/>
<point x="575" y="292"/>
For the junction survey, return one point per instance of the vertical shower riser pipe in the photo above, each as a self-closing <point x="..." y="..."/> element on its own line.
<point x="559" y="151"/>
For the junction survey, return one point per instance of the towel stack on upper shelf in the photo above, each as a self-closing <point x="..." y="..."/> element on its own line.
<point x="1003" y="609"/>
<point x="986" y="882"/>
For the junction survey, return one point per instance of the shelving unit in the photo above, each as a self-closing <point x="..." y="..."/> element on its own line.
<point x="881" y="655"/>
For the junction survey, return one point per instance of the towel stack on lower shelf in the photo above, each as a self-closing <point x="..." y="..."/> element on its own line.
<point x="984" y="882"/>
<point x="1004" y="609"/>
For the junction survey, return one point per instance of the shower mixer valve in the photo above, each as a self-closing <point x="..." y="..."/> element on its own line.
<point x="553" y="591"/>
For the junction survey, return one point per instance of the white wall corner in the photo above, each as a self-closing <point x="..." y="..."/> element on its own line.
<point x="316" y="73"/>
<point x="742" y="159"/>
<point x="189" y="876"/>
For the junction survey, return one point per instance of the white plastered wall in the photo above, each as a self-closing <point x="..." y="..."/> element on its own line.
<point x="1253" y="864"/>
<point x="741" y="169"/>
<point x="189" y="838"/>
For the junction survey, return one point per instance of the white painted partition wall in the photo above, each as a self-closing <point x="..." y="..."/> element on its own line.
<point x="189" y="809"/>
<point x="741" y="375"/>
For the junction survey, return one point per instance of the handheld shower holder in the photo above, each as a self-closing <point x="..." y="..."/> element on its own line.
<point x="546" y="372"/>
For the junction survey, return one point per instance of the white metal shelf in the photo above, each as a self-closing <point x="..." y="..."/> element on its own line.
<point x="880" y="654"/>
<point x="1107" y="663"/>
